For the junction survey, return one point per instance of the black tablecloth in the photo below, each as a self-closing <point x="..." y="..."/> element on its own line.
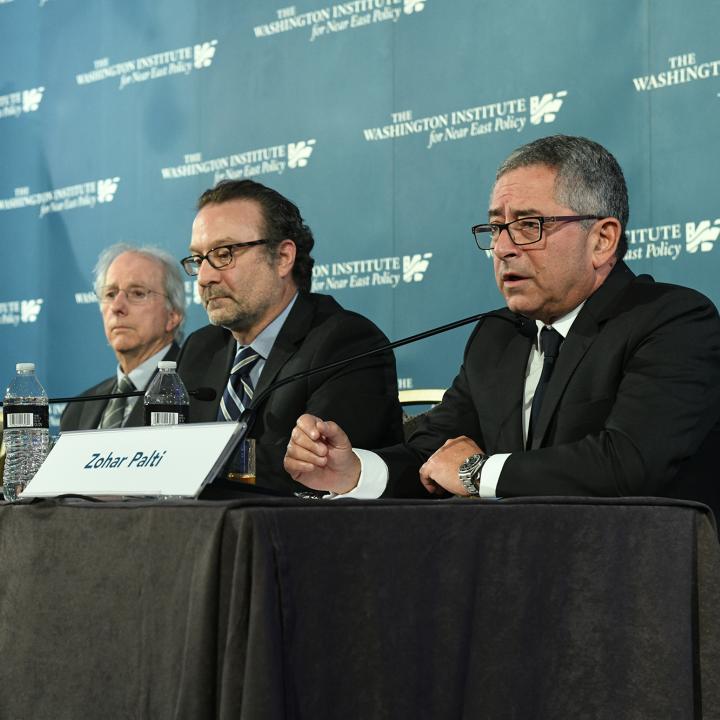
<point x="270" y="609"/>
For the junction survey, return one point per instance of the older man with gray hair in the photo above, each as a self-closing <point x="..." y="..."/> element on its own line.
<point x="142" y="301"/>
<point x="613" y="391"/>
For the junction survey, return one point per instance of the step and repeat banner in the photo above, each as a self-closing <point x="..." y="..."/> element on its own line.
<point x="384" y="120"/>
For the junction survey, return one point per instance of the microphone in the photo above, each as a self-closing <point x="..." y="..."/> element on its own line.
<point x="525" y="326"/>
<point x="206" y="394"/>
<point x="201" y="393"/>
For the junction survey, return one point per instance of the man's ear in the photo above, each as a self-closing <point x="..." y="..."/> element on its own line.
<point x="285" y="257"/>
<point x="174" y="319"/>
<point x="605" y="238"/>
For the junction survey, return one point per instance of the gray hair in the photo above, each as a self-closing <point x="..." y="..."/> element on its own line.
<point x="172" y="279"/>
<point x="589" y="179"/>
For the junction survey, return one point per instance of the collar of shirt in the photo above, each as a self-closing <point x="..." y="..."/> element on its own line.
<point x="562" y="325"/>
<point x="141" y="375"/>
<point x="265" y="340"/>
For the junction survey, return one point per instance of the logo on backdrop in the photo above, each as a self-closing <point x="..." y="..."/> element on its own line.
<point x="181" y="61"/>
<point x="71" y="197"/>
<point x="271" y="160"/>
<point x="681" y="69"/>
<point x="192" y="294"/>
<point x="14" y="312"/>
<point x="502" y="116"/>
<point x="338" y="18"/>
<point x="701" y="236"/>
<point x="20" y="102"/>
<point x="373" y="272"/>
<point x="694" y="237"/>
<point x="86" y="297"/>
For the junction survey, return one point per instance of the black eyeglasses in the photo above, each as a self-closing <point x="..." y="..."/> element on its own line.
<point x="524" y="231"/>
<point x="219" y="257"/>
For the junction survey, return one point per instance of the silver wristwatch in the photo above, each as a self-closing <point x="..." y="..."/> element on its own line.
<point x="469" y="473"/>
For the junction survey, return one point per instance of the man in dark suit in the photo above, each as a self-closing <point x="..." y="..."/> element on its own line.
<point x="251" y="255"/>
<point x="142" y="301"/>
<point x="620" y="395"/>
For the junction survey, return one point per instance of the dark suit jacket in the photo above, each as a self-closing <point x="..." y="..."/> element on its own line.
<point x="361" y="397"/>
<point x="86" y="415"/>
<point x="632" y="407"/>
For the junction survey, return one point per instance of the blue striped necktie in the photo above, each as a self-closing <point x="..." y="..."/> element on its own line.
<point x="239" y="390"/>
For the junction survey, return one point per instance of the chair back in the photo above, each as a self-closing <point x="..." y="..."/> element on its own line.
<point x="420" y="396"/>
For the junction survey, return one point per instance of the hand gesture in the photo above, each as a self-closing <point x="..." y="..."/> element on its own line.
<point x="319" y="455"/>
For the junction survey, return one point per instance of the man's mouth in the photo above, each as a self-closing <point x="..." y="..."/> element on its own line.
<point x="210" y="299"/>
<point x="512" y="278"/>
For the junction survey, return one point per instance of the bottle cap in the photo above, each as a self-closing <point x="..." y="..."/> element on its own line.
<point x="25" y="367"/>
<point x="167" y="365"/>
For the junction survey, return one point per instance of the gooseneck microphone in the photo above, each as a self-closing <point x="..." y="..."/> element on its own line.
<point x="525" y="327"/>
<point x="201" y="393"/>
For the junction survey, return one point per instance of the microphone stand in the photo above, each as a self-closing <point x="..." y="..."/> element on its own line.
<point x="106" y="396"/>
<point x="202" y="393"/>
<point x="524" y="325"/>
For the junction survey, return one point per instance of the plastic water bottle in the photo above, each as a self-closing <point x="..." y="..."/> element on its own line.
<point x="166" y="400"/>
<point x="27" y="440"/>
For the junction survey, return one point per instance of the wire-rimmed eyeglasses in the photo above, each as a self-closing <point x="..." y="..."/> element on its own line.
<point x="524" y="231"/>
<point x="135" y="294"/>
<point x="219" y="257"/>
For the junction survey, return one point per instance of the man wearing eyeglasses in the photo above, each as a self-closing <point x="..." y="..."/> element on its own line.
<point x="142" y="301"/>
<point x="615" y="391"/>
<point x="251" y="253"/>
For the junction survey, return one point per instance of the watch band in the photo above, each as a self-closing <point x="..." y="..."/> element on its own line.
<point x="469" y="473"/>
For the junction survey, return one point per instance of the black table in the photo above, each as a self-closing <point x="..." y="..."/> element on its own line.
<point x="269" y="609"/>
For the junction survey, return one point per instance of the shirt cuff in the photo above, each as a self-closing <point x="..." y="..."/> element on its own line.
<point x="373" y="478"/>
<point x="490" y="474"/>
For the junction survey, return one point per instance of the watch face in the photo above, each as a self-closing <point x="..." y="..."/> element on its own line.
<point x="470" y="464"/>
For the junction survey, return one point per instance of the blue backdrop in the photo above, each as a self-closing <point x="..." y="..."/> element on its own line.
<point x="383" y="120"/>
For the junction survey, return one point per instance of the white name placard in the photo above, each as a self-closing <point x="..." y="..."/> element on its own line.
<point x="174" y="460"/>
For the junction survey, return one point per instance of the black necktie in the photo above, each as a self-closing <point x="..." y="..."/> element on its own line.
<point x="550" y="340"/>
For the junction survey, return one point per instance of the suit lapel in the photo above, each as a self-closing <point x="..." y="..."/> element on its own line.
<point x="292" y="333"/>
<point x="221" y="353"/>
<point x="92" y="410"/>
<point x="506" y="395"/>
<point x="574" y="346"/>
<point x="598" y="308"/>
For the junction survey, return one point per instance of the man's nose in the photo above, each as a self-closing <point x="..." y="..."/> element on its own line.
<point x="504" y="246"/>
<point x="119" y="303"/>
<point x="207" y="274"/>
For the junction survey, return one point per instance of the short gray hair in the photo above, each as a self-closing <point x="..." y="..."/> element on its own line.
<point x="589" y="179"/>
<point x="173" y="283"/>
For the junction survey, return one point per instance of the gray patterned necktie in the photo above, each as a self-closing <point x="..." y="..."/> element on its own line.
<point x="115" y="409"/>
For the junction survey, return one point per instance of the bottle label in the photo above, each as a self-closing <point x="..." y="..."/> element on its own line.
<point x="166" y="414"/>
<point x="25" y="416"/>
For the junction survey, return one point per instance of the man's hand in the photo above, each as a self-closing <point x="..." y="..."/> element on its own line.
<point x="441" y="468"/>
<point x="319" y="455"/>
